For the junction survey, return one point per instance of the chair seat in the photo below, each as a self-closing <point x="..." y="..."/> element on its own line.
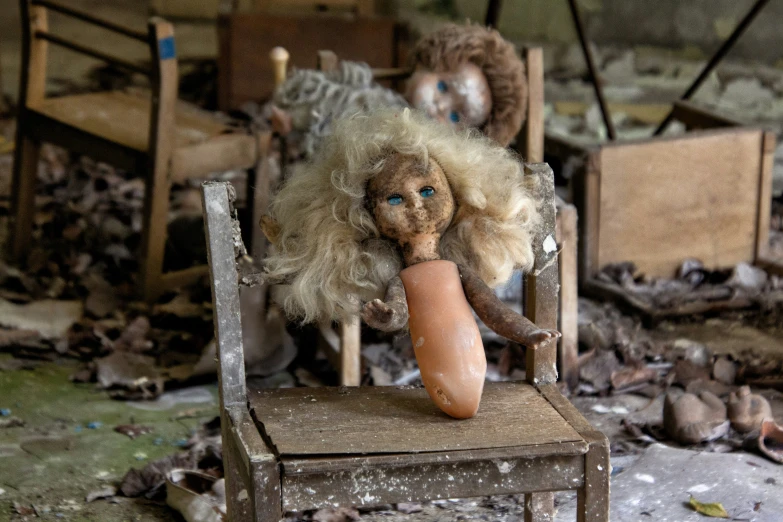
<point x="124" y="118"/>
<point x="402" y="419"/>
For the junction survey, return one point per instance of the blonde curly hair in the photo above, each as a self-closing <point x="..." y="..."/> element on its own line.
<point x="328" y="247"/>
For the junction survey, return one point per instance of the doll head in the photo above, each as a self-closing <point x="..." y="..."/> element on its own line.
<point x="346" y="216"/>
<point x="412" y="204"/>
<point x="470" y="76"/>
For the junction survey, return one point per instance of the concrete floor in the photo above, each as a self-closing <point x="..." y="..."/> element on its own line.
<point x="56" y="458"/>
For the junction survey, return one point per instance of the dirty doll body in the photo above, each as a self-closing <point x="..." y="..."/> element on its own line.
<point x="407" y="193"/>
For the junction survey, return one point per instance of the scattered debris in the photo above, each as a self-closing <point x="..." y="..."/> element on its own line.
<point x="691" y="419"/>
<point x="198" y="497"/>
<point x="11" y="422"/>
<point x="747" y="411"/>
<point x="132" y="430"/>
<point x="51" y="319"/>
<point x="338" y="514"/>
<point x="107" y="492"/>
<point x="714" y="509"/>
<point x="136" y="375"/>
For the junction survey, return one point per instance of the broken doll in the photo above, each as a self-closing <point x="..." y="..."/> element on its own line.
<point x="417" y="220"/>
<point x="463" y="75"/>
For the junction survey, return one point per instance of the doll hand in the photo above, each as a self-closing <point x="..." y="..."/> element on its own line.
<point x="281" y="121"/>
<point x="537" y="337"/>
<point x="379" y="315"/>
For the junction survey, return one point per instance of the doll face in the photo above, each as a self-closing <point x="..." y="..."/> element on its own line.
<point x="460" y="97"/>
<point x="412" y="204"/>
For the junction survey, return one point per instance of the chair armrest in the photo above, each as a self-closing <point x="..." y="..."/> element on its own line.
<point x="224" y="243"/>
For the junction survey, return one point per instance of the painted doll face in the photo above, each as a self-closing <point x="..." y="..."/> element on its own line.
<point x="411" y="201"/>
<point x="460" y="97"/>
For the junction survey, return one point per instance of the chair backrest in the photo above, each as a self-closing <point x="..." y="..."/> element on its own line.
<point x="36" y="36"/>
<point x="530" y="142"/>
<point x="225" y="249"/>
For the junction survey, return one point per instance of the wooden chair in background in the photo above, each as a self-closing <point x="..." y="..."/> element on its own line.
<point x="153" y="135"/>
<point x="305" y="448"/>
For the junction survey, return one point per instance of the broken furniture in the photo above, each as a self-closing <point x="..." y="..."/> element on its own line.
<point x="306" y="448"/>
<point x="657" y="202"/>
<point x="245" y="39"/>
<point x="152" y="135"/>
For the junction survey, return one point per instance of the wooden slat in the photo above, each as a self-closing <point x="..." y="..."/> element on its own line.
<point x="534" y="124"/>
<point x="34" y="54"/>
<point x="540" y="507"/>
<point x="125" y="118"/>
<point x="541" y="284"/>
<point x="350" y="352"/>
<point x="225" y="294"/>
<point x="765" y="194"/>
<point x="180" y="278"/>
<point x="87" y="17"/>
<point x="221" y="153"/>
<point x="694" y="196"/>
<point x="569" y="297"/>
<point x="331" y="421"/>
<point x="311" y="465"/>
<point x="73" y="46"/>
<point x="246" y="74"/>
<point x="696" y="117"/>
<point x="372" y="486"/>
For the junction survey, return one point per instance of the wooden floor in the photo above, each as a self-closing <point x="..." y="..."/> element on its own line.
<point x="370" y="420"/>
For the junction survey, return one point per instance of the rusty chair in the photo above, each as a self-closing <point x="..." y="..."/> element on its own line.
<point x="153" y="135"/>
<point x="305" y="448"/>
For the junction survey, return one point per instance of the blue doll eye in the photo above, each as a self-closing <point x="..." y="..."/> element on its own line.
<point x="394" y="200"/>
<point x="442" y="87"/>
<point x="453" y="116"/>
<point x="427" y="192"/>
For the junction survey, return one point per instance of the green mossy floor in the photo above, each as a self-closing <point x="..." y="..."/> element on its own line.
<point x="68" y="447"/>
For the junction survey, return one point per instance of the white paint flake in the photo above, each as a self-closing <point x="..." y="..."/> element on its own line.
<point x="550" y="245"/>
<point x="644" y="477"/>
<point x="699" y="488"/>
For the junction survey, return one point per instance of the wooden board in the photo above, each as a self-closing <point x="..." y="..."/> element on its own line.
<point x="125" y="118"/>
<point x="402" y="419"/>
<point x="245" y="39"/>
<point x="694" y="196"/>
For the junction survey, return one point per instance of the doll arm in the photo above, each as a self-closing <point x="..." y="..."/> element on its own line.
<point x="391" y="314"/>
<point x="499" y="317"/>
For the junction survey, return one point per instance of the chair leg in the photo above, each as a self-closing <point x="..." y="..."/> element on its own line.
<point x="25" y="176"/>
<point x="540" y="507"/>
<point x="351" y="352"/>
<point x="153" y="233"/>
<point x="593" y="499"/>
<point x="238" y="502"/>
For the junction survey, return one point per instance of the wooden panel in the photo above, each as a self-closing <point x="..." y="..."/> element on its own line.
<point x="665" y="200"/>
<point x="569" y="298"/>
<point x="305" y="465"/>
<point x="125" y="118"/>
<point x="696" y="117"/>
<point x="402" y="419"/>
<point x="534" y="124"/>
<point x="246" y="73"/>
<point x="372" y="486"/>
<point x="765" y="194"/>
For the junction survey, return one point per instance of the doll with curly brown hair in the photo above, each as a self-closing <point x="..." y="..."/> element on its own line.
<point x="409" y="222"/>
<point x="463" y="75"/>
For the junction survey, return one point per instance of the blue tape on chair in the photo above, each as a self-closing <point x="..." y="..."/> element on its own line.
<point x="166" y="48"/>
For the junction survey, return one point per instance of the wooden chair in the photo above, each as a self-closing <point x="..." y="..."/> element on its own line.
<point x="306" y="448"/>
<point x="152" y="135"/>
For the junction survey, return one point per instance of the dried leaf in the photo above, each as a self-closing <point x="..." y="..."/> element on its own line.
<point x="106" y="492"/>
<point x="713" y="509"/>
